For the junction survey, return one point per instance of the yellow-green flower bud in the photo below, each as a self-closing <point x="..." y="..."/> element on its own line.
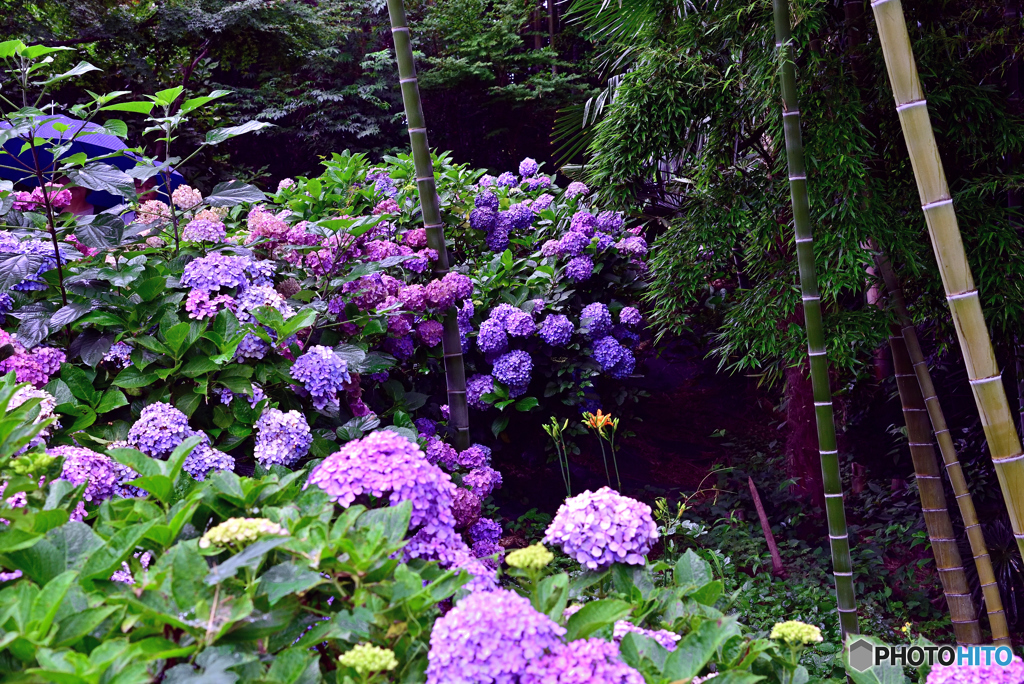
<point x="534" y="557"/>
<point x="367" y="658"/>
<point x="239" y="532"/>
<point x="795" y="633"/>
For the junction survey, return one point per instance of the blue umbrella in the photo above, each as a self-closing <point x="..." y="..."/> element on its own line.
<point x="96" y="144"/>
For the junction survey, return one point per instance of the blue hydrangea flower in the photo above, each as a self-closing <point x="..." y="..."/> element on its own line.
<point x="251" y="347"/>
<point x="528" y="167"/>
<point x="483" y="480"/>
<point x="205" y="459"/>
<point x="203" y="231"/>
<point x="541" y="203"/>
<point x="489" y="637"/>
<point x="497" y="238"/>
<point x="477" y="386"/>
<point x="615" y="360"/>
<point x="103" y="476"/>
<point x="159" y="430"/>
<point x="595" y="320"/>
<point x="401" y="348"/>
<point x="576" y="189"/>
<point x="630" y="316"/>
<point x="520" y="217"/>
<point x="261" y="272"/>
<point x="482" y="218"/>
<point x="579" y="268"/>
<point x="216" y="271"/>
<point x="514" y="368"/>
<point x="281" y="438"/>
<point x="572" y="243"/>
<point x="425" y="427"/>
<point x="664" y="637"/>
<point x="514" y="320"/>
<point x="119" y="354"/>
<point x="322" y="373"/>
<point x="583" y="222"/>
<point x="485" y="530"/>
<point x="476" y="456"/>
<point x="603" y="527"/>
<point x="556" y="330"/>
<point x="492" y="337"/>
<point x="604" y="241"/>
<point x="6" y="304"/>
<point x="508" y="178"/>
<point x="488" y="200"/>
<point x="609" y="222"/>
<point x="584" y="661"/>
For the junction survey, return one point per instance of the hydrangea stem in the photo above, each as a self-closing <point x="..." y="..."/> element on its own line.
<point x="455" y="370"/>
<point x="842" y="565"/>
<point x="957" y="279"/>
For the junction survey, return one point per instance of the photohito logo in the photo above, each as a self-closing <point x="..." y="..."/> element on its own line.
<point x="864" y="655"/>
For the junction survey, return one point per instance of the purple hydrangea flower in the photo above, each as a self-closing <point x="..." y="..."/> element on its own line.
<point x="281" y="438"/>
<point x="489" y="637"/>
<point x="528" y="167"/>
<point x="485" y="530"/>
<point x="531" y="184"/>
<point x="583" y="222"/>
<point x="444" y="293"/>
<point x="34" y="367"/>
<point x="508" y="178"/>
<point x="382" y="463"/>
<point x="216" y="271"/>
<point x="401" y="348"/>
<point x="159" y="430"/>
<point x="227" y="396"/>
<point x="633" y="245"/>
<point x="556" y="330"/>
<point x="573" y="243"/>
<point x="486" y="550"/>
<point x="498" y="236"/>
<point x="465" y="508"/>
<point x="603" y="527"/>
<point x="514" y="368"/>
<point x="664" y="637"/>
<point x="576" y="189"/>
<point x="438" y="451"/>
<point x="203" y="231"/>
<point x="516" y="322"/>
<point x="261" y="272"/>
<point x="322" y="373"/>
<point x="486" y="180"/>
<point x="103" y="476"/>
<point x="425" y="427"/>
<point x="119" y="354"/>
<point x="630" y="316"/>
<point x="520" y="217"/>
<point x="595" y="320"/>
<point x="475" y="456"/>
<point x="442" y="544"/>
<point x="615" y="360"/>
<point x="604" y="241"/>
<point x="492" y="338"/>
<point x="487" y="200"/>
<point x="477" y="386"/>
<point x="482" y="218"/>
<point x="204" y="460"/>
<point x="484" y="576"/>
<point x="579" y="268"/>
<point x="609" y="222"/>
<point x="251" y="347"/>
<point x="431" y="333"/>
<point x="257" y="296"/>
<point x="541" y="203"/>
<point x="413" y="297"/>
<point x="465" y="314"/>
<point x="584" y="661"/>
<point x="978" y="674"/>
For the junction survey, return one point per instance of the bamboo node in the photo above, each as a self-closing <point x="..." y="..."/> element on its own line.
<point x="937" y="203"/>
<point x="911" y="105"/>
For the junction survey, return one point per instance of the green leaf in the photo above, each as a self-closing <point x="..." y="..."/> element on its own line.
<point x="77" y="70"/>
<point x="219" y="135"/>
<point x="696" y="649"/>
<point x="112" y="399"/>
<point x="234" y="192"/>
<point x="197" y="102"/>
<point x="691" y="570"/>
<point x="286" y="578"/>
<point x="105" y="178"/>
<point x="46" y="604"/>
<point x="595" y="615"/>
<point x="198" y="366"/>
<point x="15" y="268"/>
<point x="68" y="314"/>
<point x="708" y="594"/>
<point x="169" y="95"/>
<point x="100" y="231"/>
<point x="151" y="288"/>
<point x="251" y="557"/>
<point x="137" y="107"/>
<point x="131" y="377"/>
<point x="80" y="385"/>
<point x="294" y="666"/>
<point x="91" y="345"/>
<point x="104" y="561"/>
<point x="527" y="403"/>
<point x="73" y="628"/>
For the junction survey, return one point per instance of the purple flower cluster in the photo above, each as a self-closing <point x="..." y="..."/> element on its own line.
<point x="103" y="476"/>
<point x="609" y="222"/>
<point x="497" y="238"/>
<point x="382" y="463"/>
<point x="630" y="316"/>
<point x="528" y="167"/>
<point x="603" y="527"/>
<point x="483" y="480"/>
<point x="34" y="367"/>
<point x="489" y="637"/>
<point x="227" y="396"/>
<point x="425" y="427"/>
<point x="10" y="243"/>
<point x="513" y="320"/>
<point x="431" y="332"/>
<point x="483" y="574"/>
<point x="401" y="348"/>
<point x="201" y="230"/>
<point x="200" y="305"/>
<point x="323" y="374"/>
<point x="216" y="271"/>
<point x="487" y="200"/>
<point x="579" y="268"/>
<point x="583" y="222"/>
<point x="492" y="338"/>
<point x="204" y="460"/>
<point x="477" y="386"/>
<point x="556" y="330"/>
<point x="438" y="451"/>
<point x="543" y="202"/>
<point x="281" y="438"/>
<point x="576" y="189"/>
<point x="615" y="360"/>
<point x="664" y="637"/>
<point x="978" y="674"/>
<point x="595" y="320"/>
<point x="444" y="293"/>
<point x="465" y="508"/>
<point x="514" y="369"/>
<point x="634" y="246"/>
<point x="485" y="530"/>
<point x="508" y="179"/>
<point x="475" y="456"/>
<point x="531" y="184"/>
<point x="520" y="216"/>
<point x="584" y="661"/>
<point x="159" y="430"/>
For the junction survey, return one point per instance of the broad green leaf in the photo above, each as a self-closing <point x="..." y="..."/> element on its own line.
<point x="105" y="178"/>
<point x="105" y="560"/>
<point x="78" y="70"/>
<point x="131" y="377"/>
<point x="112" y="399"/>
<point x="77" y="625"/>
<point x="251" y="557"/>
<point x="692" y="570"/>
<point x="286" y="578"/>
<point x="595" y="615"/>
<point x="14" y="268"/>
<point x="696" y="649"/>
<point x="234" y="192"/>
<point x="45" y="607"/>
<point x="219" y="135"/>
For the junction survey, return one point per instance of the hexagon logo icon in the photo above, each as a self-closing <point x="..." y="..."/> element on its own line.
<point x="861" y="655"/>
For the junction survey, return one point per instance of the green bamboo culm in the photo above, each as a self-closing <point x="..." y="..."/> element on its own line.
<point x="454" y="367"/>
<point x="928" y="475"/>
<point x="842" y="566"/>
<point x="947" y="243"/>
<point x="954" y="471"/>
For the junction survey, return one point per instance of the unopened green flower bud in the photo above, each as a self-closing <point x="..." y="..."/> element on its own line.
<point x="796" y="633"/>
<point x="534" y="557"/>
<point x="367" y="658"/>
<point x="239" y="532"/>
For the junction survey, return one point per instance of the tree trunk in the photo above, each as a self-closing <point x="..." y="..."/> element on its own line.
<point x="454" y="367"/>
<point x="961" y="294"/>
<point x="842" y="565"/>
<point x="803" y="464"/>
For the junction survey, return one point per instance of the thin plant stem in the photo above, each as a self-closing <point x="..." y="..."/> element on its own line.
<point x="604" y="458"/>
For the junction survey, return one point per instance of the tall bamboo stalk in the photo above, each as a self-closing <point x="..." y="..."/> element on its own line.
<point x="454" y="368"/>
<point x="933" y="497"/>
<point x="842" y="566"/>
<point x="965" y="502"/>
<point x="961" y="293"/>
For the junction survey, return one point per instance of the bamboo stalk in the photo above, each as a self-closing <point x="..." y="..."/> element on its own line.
<point x="965" y="502"/>
<point x="933" y="497"/>
<point x="842" y="565"/>
<point x="961" y="293"/>
<point x="454" y="367"/>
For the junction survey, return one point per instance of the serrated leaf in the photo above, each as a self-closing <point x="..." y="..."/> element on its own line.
<point x="234" y="192"/>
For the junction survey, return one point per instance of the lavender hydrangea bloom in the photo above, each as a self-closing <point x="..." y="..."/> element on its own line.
<point x="442" y="544"/>
<point x="978" y="674"/>
<point x="486" y="180"/>
<point x="257" y="296"/>
<point x="514" y="368"/>
<point x="281" y="438"/>
<point x="431" y="333"/>
<point x="465" y="314"/>
<point x="520" y="324"/>
<point x="258" y="395"/>
<point x="425" y="427"/>
<point x="604" y="241"/>
<point x="444" y="293"/>
<point x="323" y="373"/>
<point x="583" y="222"/>
<point x="251" y="347"/>
<point x="477" y="386"/>
<point x="475" y="456"/>
<point x="615" y="360"/>
<point x="401" y="348"/>
<point x="584" y="661"/>
<point x="492" y="338"/>
<point x="508" y="178"/>
<point x="541" y="203"/>
<point x="572" y="243"/>
<point x="520" y="217"/>
<point x="485" y="550"/>
<point x="498" y="236"/>
<point x="630" y="316"/>
<point x="664" y="637"/>
<point x="482" y="218"/>
<point x="489" y="637"/>
<point x="203" y="231"/>
<point x="576" y="189"/>
<point x="603" y="527"/>
<point x="382" y="463"/>
<point x="484" y="575"/>
<point x="215" y="271"/>
<point x="579" y="268"/>
<point x="634" y="246"/>
<point x="609" y="222"/>
<point x="483" y="480"/>
<point x="438" y="451"/>
<point x="485" y="530"/>
<point x="204" y="460"/>
<point x="103" y="476"/>
<point x="595" y="320"/>
<point x="465" y="508"/>
<point x="528" y="167"/>
<point x="159" y="430"/>
<point x="487" y="200"/>
<point x="531" y="184"/>
<point x="119" y="354"/>
<point x="261" y="272"/>
<point x="556" y="330"/>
